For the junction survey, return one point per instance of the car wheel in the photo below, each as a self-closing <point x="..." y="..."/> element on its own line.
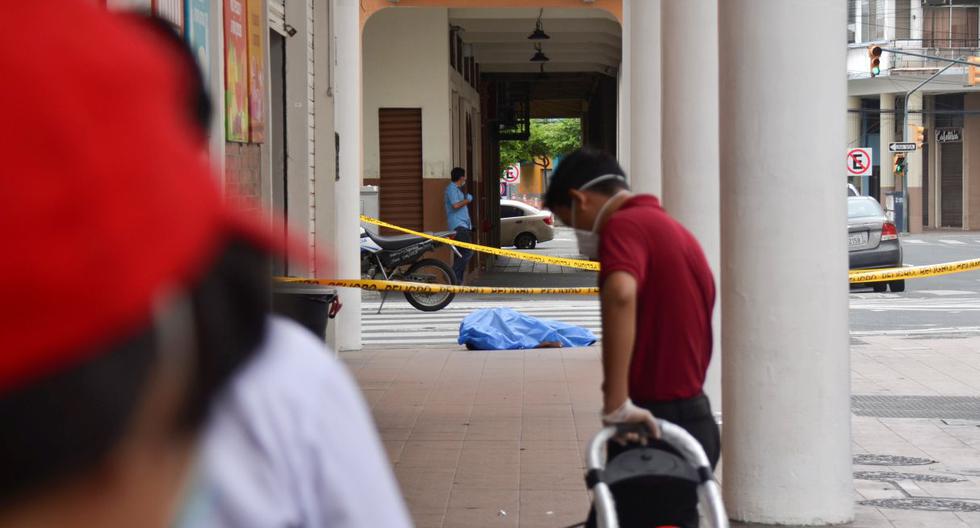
<point x="525" y="241"/>
<point x="880" y="287"/>
<point x="897" y="286"/>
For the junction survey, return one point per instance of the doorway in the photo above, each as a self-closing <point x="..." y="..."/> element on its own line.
<point x="277" y="123"/>
<point x="951" y="182"/>
<point x="400" y="137"/>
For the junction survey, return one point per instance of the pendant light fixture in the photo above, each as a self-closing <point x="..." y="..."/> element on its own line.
<point x="539" y="55"/>
<point x="539" y="33"/>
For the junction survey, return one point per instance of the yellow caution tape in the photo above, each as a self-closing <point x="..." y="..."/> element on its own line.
<point x="913" y="272"/>
<point x="856" y="277"/>
<point x="544" y="259"/>
<point x="420" y="287"/>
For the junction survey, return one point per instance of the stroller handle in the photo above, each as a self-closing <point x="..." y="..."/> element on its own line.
<point x="709" y="493"/>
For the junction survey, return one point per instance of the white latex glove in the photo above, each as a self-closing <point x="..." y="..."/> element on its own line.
<point x="469" y="197"/>
<point x="627" y="413"/>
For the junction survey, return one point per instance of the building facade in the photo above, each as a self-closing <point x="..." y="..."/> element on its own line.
<point x="942" y="181"/>
<point x="272" y="132"/>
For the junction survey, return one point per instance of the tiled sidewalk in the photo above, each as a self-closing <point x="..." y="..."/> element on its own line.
<point x="497" y="438"/>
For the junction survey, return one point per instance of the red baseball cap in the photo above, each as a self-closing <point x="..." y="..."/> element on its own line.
<point x="106" y="199"/>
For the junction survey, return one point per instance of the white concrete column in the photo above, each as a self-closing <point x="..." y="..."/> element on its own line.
<point x="887" y="135"/>
<point x="325" y="158"/>
<point x="917" y="19"/>
<point x="787" y="440"/>
<point x="890" y="18"/>
<point x="299" y="169"/>
<point x="690" y="139"/>
<point x="347" y="27"/>
<point x="859" y="15"/>
<point x="645" y="95"/>
<point x="623" y="104"/>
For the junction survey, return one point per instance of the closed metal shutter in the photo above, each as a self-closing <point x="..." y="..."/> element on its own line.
<point x="952" y="184"/>
<point x="277" y="16"/>
<point x="400" y="134"/>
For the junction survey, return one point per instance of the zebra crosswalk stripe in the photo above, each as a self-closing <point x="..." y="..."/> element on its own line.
<point x="401" y="325"/>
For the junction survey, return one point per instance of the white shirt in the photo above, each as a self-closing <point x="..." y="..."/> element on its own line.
<point x="292" y="444"/>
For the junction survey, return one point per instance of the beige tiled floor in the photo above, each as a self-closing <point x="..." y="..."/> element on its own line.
<point x="497" y="438"/>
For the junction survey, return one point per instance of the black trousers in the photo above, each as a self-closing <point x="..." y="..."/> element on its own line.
<point x="694" y="416"/>
<point x="460" y="261"/>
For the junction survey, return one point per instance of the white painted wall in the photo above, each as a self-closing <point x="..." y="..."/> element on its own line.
<point x="469" y="103"/>
<point x="406" y="65"/>
<point x="325" y="160"/>
<point x="300" y="150"/>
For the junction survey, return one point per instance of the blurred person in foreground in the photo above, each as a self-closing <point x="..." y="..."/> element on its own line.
<point x="133" y="293"/>
<point x="291" y="441"/>
<point x="657" y="295"/>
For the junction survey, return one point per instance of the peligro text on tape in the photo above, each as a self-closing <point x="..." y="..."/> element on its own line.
<point x="420" y="287"/>
<point x="856" y="277"/>
<point x="544" y="259"/>
<point x="914" y="272"/>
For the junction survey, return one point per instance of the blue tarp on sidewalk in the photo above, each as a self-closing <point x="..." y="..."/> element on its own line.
<point x="506" y="329"/>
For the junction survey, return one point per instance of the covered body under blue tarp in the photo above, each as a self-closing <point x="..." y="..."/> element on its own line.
<point x="506" y="329"/>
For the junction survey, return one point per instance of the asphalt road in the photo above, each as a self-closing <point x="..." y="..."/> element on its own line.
<point x="946" y="305"/>
<point x="936" y="306"/>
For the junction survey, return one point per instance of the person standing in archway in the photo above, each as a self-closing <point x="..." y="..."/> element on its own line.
<point x="458" y="218"/>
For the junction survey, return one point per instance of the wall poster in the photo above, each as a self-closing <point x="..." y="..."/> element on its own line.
<point x="236" y="72"/>
<point x="256" y="70"/>
<point x="198" y="18"/>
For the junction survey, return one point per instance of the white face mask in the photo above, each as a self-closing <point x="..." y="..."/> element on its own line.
<point x="588" y="241"/>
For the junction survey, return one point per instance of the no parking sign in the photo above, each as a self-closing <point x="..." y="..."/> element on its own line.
<point x="511" y="174"/>
<point x="859" y="162"/>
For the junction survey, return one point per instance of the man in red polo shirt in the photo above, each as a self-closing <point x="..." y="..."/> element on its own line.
<point x="657" y="296"/>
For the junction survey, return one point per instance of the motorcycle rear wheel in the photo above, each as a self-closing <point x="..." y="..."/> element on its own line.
<point x="435" y="272"/>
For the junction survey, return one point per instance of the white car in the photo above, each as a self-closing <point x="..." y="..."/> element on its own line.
<point x="523" y="226"/>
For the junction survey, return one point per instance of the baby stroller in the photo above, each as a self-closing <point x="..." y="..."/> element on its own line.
<point x="655" y="471"/>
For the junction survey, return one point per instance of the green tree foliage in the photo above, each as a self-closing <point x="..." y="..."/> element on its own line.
<point x="549" y="138"/>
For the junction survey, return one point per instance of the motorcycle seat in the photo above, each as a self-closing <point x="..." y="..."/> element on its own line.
<point x="396" y="242"/>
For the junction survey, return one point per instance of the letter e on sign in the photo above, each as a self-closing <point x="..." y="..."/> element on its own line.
<point x="511" y="174"/>
<point x="859" y="162"/>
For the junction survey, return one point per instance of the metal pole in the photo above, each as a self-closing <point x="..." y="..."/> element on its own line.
<point x="961" y="60"/>
<point x="905" y="109"/>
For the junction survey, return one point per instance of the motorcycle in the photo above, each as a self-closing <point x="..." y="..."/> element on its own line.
<point x="398" y="258"/>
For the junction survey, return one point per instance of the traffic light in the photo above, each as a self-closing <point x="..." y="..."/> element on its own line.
<point x="919" y="135"/>
<point x="972" y="71"/>
<point x="874" y="53"/>
<point x="898" y="165"/>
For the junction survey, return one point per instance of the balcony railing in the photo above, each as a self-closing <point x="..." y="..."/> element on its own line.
<point x="945" y="48"/>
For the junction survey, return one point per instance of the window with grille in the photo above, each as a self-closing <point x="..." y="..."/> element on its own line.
<point x="950" y="27"/>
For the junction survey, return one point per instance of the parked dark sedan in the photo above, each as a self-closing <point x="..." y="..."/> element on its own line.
<point x="872" y="241"/>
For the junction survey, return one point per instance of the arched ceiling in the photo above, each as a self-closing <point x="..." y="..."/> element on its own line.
<point x="582" y="40"/>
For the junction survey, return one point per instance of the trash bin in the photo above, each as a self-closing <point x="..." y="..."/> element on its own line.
<point x="310" y="305"/>
<point x="897" y="202"/>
